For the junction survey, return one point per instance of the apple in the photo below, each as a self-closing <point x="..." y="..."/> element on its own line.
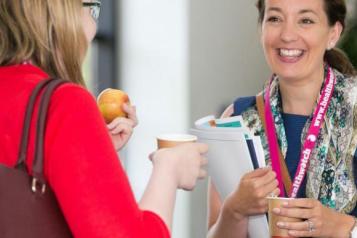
<point x="110" y="102"/>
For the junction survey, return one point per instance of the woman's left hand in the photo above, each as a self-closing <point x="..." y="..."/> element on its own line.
<point x="121" y="128"/>
<point x="317" y="220"/>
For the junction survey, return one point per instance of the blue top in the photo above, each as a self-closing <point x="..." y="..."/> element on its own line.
<point x="293" y="124"/>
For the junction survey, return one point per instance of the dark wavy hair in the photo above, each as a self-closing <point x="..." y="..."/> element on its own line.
<point x="336" y="11"/>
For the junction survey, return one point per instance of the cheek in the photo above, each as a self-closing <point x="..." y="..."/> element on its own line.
<point x="268" y="39"/>
<point x="268" y="36"/>
<point x="318" y="43"/>
<point x="89" y="27"/>
<point x="90" y="31"/>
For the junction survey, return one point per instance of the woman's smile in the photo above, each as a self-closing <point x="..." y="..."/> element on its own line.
<point x="295" y="36"/>
<point x="290" y="55"/>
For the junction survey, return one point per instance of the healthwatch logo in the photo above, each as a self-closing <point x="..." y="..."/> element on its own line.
<point x="311" y="138"/>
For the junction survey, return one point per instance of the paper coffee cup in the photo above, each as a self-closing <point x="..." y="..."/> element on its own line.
<point x="171" y="140"/>
<point x="275" y="231"/>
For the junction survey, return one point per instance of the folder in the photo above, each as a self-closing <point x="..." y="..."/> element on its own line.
<point x="233" y="151"/>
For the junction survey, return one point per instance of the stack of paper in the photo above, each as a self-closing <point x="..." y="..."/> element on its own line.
<point x="233" y="151"/>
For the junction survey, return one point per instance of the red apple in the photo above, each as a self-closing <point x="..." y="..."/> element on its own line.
<point x="110" y="102"/>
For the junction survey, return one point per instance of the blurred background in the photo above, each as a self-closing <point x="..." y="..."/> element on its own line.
<point x="180" y="60"/>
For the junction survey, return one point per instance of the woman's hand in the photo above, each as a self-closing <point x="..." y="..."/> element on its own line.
<point x="250" y="197"/>
<point x="317" y="220"/>
<point x="183" y="163"/>
<point x="121" y="128"/>
<point x="177" y="167"/>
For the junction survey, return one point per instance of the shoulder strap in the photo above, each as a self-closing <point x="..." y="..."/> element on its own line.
<point x="284" y="170"/>
<point x="37" y="165"/>
<point x="27" y="122"/>
<point x="47" y="86"/>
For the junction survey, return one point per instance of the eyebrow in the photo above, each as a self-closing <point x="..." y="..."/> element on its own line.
<point x="276" y="9"/>
<point x="307" y="11"/>
<point x="303" y="11"/>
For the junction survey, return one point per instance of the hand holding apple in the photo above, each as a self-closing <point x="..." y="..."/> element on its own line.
<point x="120" y="116"/>
<point x="110" y="102"/>
<point x="121" y="128"/>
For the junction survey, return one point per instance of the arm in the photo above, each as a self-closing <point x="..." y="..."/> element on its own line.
<point x="83" y="169"/>
<point x="224" y="223"/>
<point x="249" y="198"/>
<point x="154" y="198"/>
<point x="230" y="218"/>
<point x="173" y="167"/>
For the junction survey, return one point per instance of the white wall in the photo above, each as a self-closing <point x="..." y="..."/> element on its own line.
<point x="182" y="60"/>
<point x="226" y="61"/>
<point x="154" y="73"/>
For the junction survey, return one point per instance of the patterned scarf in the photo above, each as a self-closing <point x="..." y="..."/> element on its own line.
<point x="330" y="176"/>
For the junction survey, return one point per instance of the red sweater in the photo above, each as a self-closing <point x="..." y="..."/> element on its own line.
<point x="81" y="164"/>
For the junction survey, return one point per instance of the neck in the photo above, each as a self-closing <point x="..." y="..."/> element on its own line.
<point x="299" y="96"/>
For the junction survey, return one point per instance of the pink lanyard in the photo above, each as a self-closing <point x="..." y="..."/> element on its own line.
<point x="311" y="136"/>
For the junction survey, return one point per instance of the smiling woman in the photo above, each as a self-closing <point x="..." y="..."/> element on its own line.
<point x="334" y="16"/>
<point x="311" y="81"/>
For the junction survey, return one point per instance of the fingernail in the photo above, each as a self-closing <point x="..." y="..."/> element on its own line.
<point x="276" y="210"/>
<point x="285" y="204"/>
<point x="280" y="224"/>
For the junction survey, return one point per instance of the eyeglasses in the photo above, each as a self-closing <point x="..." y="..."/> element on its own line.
<point x="94" y="8"/>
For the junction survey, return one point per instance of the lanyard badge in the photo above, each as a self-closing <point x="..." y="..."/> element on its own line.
<point x="311" y="136"/>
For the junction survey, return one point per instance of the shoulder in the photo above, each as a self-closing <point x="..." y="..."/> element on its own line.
<point x="74" y="102"/>
<point x="344" y="97"/>
<point x="239" y="106"/>
<point x="70" y="88"/>
<point x="72" y="95"/>
<point x="242" y="104"/>
<point x="345" y="84"/>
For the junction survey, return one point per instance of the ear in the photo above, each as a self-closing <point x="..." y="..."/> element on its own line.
<point x="335" y="35"/>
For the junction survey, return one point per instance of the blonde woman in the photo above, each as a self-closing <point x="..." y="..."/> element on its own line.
<point x="49" y="38"/>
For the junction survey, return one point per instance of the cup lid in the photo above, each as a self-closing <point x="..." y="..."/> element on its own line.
<point x="177" y="137"/>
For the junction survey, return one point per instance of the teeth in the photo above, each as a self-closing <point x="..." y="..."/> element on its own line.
<point x="290" y="53"/>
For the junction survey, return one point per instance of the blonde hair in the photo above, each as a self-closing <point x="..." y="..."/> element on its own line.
<point x="46" y="32"/>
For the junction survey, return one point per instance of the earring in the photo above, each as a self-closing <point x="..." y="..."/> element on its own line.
<point x="330" y="46"/>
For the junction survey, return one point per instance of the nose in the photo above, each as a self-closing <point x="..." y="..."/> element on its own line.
<point x="288" y="32"/>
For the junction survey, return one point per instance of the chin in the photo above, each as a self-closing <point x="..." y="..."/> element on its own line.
<point x="289" y="71"/>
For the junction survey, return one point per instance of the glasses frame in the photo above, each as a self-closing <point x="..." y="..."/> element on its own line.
<point x="94" y="8"/>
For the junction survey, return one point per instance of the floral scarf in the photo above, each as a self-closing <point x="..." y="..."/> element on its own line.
<point x="330" y="177"/>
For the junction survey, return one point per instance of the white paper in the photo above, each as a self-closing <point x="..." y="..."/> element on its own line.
<point x="228" y="160"/>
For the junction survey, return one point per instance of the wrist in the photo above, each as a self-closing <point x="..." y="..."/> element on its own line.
<point x="231" y="211"/>
<point x="165" y="167"/>
<point x="353" y="230"/>
<point x="346" y="223"/>
<point x="230" y="223"/>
